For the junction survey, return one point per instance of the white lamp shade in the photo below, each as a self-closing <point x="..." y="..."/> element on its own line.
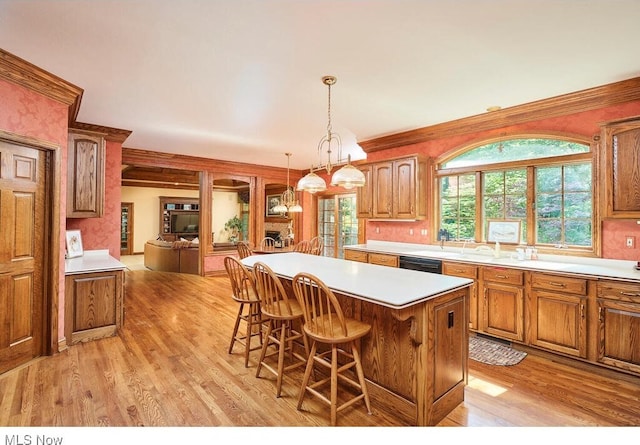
<point x="312" y="183"/>
<point x="348" y="177"/>
<point x="296" y="208"/>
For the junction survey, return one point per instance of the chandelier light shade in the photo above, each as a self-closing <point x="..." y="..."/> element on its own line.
<point x="348" y="176"/>
<point x="288" y="202"/>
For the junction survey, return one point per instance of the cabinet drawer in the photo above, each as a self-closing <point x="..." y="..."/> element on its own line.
<point x="503" y="275"/>
<point x="356" y="255"/>
<point x="615" y="290"/>
<point x="460" y="270"/>
<point x="383" y="259"/>
<point x="568" y="285"/>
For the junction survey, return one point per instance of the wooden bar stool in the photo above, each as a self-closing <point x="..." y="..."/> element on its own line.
<point x="325" y="323"/>
<point x="244" y="249"/>
<point x="281" y="312"/>
<point x="317" y="245"/>
<point x="243" y="291"/>
<point x="303" y="246"/>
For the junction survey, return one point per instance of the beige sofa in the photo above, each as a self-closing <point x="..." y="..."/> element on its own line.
<point x="167" y="256"/>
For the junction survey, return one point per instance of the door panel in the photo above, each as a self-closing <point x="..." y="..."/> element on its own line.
<point x="22" y="209"/>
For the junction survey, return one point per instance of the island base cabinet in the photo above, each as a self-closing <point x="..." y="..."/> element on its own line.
<point x="94" y="308"/>
<point x="416" y="359"/>
<point x="619" y="325"/>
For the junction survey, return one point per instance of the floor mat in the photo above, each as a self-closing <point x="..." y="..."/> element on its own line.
<point x="493" y="353"/>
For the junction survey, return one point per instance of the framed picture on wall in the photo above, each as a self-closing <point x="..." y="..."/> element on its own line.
<point x="503" y="231"/>
<point x="74" y="244"/>
<point x="272" y="202"/>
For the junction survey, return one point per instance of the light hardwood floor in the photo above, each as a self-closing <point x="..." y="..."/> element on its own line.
<point x="170" y="367"/>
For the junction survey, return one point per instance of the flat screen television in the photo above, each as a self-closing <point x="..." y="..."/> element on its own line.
<point x="185" y="222"/>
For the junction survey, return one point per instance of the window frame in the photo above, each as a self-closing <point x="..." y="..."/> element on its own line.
<point x="529" y="165"/>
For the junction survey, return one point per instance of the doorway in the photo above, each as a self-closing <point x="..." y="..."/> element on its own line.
<point x="337" y="223"/>
<point x="126" y="228"/>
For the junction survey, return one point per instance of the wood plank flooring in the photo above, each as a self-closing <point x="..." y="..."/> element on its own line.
<point x="170" y="367"/>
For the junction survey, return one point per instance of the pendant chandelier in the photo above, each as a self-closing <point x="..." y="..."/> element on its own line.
<point x="348" y="176"/>
<point x="288" y="202"/>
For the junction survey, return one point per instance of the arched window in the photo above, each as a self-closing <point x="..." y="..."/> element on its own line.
<point x="545" y="183"/>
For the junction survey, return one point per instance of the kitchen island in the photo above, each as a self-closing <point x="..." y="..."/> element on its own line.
<point x="415" y="359"/>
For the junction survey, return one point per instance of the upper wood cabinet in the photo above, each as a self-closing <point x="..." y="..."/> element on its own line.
<point x="395" y="189"/>
<point x="85" y="175"/>
<point x="364" y="195"/>
<point x="621" y="168"/>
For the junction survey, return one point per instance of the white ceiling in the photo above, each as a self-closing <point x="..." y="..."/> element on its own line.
<point x="241" y="79"/>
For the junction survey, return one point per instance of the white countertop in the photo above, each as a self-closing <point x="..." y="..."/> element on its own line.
<point x="387" y="286"/>
<point x="92" y="261"/>
<point x="593" y="267"/>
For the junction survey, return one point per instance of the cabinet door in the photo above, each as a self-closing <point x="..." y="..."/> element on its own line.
<point x="356" y="255"/>
<point x="85" y="173"/>
<point x="503" y="311"/>
<point x="384" y="259"/>
<point x="383" y="192"/>
<point x="404" y="188"/>
<point x="94" y="308"/>
<point x="466" y="271"/>
<point x="559" y="323"/>
<point x="619" y="334"/>
<point x="451" y="345"/>
<point x="364" y="195"/>
<point x="622" y="169"/>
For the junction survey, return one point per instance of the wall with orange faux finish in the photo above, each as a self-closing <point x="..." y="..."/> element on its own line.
<point x="27" y="113"/>
<point x="104" y="232"/>
<point x="585" y="124"/>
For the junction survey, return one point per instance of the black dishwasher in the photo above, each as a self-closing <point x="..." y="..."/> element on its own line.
<point x="431" y="265"/>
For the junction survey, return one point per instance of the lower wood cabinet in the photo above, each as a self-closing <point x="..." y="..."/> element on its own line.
<point x="557" y="307"/>
<point x="619" y="325"/>
<point x="356" y="255"/>
<point x="587" y="318"/>
<point x="94" y="306"/>
<point x="466" y="271"/>
<point x="383" y="259"/>
<point x="503" y="303"/>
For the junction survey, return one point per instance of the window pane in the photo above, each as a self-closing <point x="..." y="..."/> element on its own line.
<point x="493" y="207"/>
<point x="515" y="150"/>
<point x="549" y="231"/>
<point x="516" y="207"/>
<point x="549" y="179"/>
<point x="577" y="178"/>
<point x="516" y="181"/>
<point x="549" y="206"/>
<point x="577" y="232"/>
<point x="578" y="205"/>
<point x="493" y="183"/>
<point x="457" y="205"/>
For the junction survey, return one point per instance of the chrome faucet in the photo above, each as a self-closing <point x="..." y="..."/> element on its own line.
<point x="464" y="244"/>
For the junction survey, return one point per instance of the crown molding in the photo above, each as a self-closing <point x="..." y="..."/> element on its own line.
<point x="585" y="100"/>
<point x="19" y="71"/>
<point x="110" y="134"/>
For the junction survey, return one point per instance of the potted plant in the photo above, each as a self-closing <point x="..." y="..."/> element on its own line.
<point x="233" y="226"/>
